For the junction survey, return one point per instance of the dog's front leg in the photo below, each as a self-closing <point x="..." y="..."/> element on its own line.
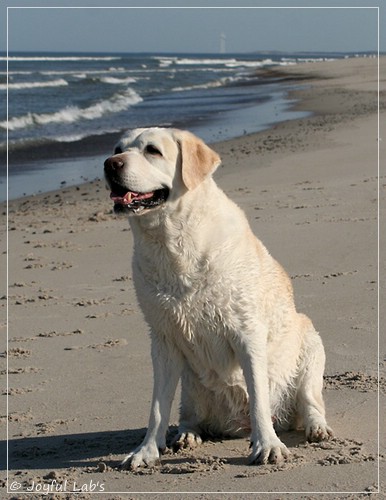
<point x="266" y="446"/>
<point x="167" y="367"/>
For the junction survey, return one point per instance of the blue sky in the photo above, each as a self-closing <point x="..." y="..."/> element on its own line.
<point x="185" y="29"/>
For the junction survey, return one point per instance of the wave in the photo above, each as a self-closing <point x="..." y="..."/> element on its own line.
<point x="33" y="85"/>
<point x="80" y="136"/>
<point x="295" y="60"/>
<point x="71" y="114"/>
<point x="16" y="72"/>
<point x="167" y="62"/>
<point x="116" y="81"/>
<point x="68" y="138"/>
<point x="83" y="75"/>
<point x="164" y="62"/>
<point x="204" y="62"/>
<point x="44" y="140"/>
<point x="251" y="64"/>
<point x="210" y="85"/>
<point x="77" y="72"/>
<point x="59" y="59"/>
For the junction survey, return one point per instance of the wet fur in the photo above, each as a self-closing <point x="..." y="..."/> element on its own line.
<point x="220" y="310"/>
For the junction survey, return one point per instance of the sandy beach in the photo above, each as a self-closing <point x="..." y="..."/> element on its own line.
<point x="80" y="376"/>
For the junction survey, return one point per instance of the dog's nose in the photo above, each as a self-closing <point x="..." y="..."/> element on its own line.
<point x="114" y="163"/>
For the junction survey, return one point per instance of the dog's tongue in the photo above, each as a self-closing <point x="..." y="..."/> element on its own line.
<point x="123" y="200"/>
<point x="129" y="197"/>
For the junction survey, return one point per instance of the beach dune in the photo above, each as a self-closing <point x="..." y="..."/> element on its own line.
<point x="78" y="351"/>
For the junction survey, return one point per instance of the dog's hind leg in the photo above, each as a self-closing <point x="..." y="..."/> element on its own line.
<point x="310" y="405"/>
<point x="205" y="412"/>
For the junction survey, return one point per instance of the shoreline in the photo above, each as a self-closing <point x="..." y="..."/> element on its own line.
<point x="84" y="161"/>
<point x="86" y="153"/>
<point x="98" y="144"/>
<point x="53" y="165"/>
<point x="309" y="189"/>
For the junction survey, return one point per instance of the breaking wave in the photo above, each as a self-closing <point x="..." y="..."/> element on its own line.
<point x="71" y="114"/>
<point x="210" y="85"/>
<point x="33" y="85"/>
<point x="59" y="59"/>
<point x="117" y="81"/>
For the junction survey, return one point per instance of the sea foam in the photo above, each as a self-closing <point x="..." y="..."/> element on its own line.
<point x="70" y="114"/>
<point x="33" y="85"/>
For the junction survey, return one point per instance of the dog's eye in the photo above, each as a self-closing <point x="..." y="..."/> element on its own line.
<point x="152" y="150"/>
<point x="118" y="150"/>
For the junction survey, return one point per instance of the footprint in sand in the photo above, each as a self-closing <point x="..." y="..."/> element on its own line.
<point x="106" y="345"/>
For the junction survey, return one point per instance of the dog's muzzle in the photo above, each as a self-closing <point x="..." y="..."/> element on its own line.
<point x="125" y="199"/>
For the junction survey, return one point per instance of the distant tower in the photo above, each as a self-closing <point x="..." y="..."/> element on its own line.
<point x="222" y="43"/>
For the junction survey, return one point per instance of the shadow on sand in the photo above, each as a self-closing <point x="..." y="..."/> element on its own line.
<point x="88" y="449"/>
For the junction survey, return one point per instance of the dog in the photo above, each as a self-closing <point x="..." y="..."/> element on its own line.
<point x="220" y="309"/>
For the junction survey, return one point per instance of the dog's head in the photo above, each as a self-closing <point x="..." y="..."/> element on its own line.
<point x="153" y="165"/>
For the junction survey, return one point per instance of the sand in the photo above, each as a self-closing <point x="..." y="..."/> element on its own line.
<point x="79" y="360"/>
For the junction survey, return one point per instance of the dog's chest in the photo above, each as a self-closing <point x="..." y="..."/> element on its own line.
<point x="197" y="325"/>
<point x="190" y="303"/>
<point x="193" y="311"/>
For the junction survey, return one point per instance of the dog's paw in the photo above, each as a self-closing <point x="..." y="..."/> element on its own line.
<point x="143" y="456"/>
<point x="272" y="453"/>
<point x="318" y="431"/>
<point x="188" y="439"/>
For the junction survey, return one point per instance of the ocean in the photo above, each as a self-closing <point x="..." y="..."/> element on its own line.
<point x="61" y="106"/>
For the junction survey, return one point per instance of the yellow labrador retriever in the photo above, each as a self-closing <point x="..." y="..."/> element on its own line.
<point x="220" y="308"/>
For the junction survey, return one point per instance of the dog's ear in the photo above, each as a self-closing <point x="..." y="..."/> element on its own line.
<point x="198" y="160"/>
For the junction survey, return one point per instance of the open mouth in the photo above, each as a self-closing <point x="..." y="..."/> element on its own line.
<point x="134" y="201"/>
